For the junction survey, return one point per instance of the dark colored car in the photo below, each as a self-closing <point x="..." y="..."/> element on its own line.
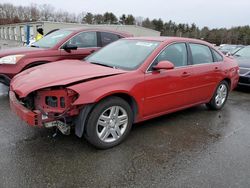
<point x="76" y="43"/>
<point x="243" y="58"/>
<point x="128" y="81"/>
<point x="229" y="48"/>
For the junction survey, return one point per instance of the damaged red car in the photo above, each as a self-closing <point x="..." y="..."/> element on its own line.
<point x="129" y="81"/>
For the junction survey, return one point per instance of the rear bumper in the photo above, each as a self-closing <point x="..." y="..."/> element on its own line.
<point x="30" y="117"/>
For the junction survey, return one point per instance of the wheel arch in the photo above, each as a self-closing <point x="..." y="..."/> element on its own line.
<point x="81" y="120"/>
<point x="126" y="97"/>
<point x="228" y="80"/>
<point x="33" y="64"/>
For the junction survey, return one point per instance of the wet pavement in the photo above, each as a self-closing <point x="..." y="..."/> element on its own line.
<point x="192" y="148"/>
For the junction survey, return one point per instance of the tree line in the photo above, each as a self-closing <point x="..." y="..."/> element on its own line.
<point x="15" y="14"/>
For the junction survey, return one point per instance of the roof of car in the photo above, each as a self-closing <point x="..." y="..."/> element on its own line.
<point x="79" y="29"/>
<point x="170" y="39"/>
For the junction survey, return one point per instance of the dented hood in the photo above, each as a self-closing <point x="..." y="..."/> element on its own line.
<point x="58" y="74"/>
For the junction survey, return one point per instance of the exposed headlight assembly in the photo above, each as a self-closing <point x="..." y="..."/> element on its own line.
<point x="11" y="59"/>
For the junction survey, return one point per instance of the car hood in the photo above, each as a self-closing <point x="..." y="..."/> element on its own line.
<point x="243" y="62"/>
<point x="59" y="73"/>
<point x="20" y="50"/>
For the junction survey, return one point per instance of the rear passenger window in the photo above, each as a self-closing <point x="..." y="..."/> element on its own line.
<point x="201" y="54"/>
<point x="175" y="53"/>
<point x="107" y="38"/>
<point x="217" y="56"/>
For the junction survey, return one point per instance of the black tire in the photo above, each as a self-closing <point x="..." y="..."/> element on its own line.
<point x="92" y="128"/>
<point x="213" y="104"/>
<point x="5" y="80"/>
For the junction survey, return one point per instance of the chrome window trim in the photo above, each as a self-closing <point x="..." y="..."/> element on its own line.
<point x="191" y="65"/>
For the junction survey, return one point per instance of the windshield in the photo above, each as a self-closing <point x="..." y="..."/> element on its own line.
<point x="228" y="47"/>
<point x="52" y="39"/>
<point x="244" y="52"/>
<point x="124" y="54"/>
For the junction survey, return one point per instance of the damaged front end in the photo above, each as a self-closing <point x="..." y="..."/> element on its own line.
<point x="52" y="107"/>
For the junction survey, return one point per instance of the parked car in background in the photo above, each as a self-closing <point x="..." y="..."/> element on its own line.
<point x="243" y="58"/>
<point x="229" y="48"/>
<point x="129" y="81"/>
<point x="73" y="43"/>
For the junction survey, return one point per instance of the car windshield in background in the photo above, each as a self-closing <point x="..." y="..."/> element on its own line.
<point x="124" y="54"/>
<point x="244" y="52"/>
<point x="52" y="39"/>
<point x="228" y="48"/>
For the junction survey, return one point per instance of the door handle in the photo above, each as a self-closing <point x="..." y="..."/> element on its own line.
<point x="185" y="74"/>
<point x="216" y="69"/>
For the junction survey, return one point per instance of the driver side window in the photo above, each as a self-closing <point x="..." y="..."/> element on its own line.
<point x="84" y="40"/>
<point x="175" y="53"/>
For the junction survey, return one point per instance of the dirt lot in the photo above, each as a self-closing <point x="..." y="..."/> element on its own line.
<point x="192" y="148"/>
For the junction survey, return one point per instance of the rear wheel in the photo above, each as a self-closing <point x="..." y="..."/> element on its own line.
<point x="220" y="96"/>
<point x="109" y="123"/>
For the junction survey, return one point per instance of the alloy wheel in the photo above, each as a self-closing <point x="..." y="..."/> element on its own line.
<point x="221" y="95"/>
<point x="112" y="124"/>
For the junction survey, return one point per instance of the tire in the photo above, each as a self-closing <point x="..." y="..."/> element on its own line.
<point x="5" y="80"/>
<point x="220" y="96"/>
<point x="109" y="123"/>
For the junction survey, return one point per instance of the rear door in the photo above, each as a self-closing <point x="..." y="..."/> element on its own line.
<point x="106" y="38"/>
<point x="206" y="72"/>
<point x="86" y="43"/>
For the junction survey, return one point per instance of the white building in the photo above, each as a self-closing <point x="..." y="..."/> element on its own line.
<point x="17" y="31"/>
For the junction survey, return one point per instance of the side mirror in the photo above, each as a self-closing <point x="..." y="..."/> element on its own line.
<point x="68" y="47"/>
<point x="165" y="65"/>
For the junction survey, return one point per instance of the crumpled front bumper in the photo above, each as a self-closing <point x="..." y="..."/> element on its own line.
<point x="33" y="118"/>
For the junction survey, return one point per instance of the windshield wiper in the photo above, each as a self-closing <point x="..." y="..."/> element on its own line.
<point x="32" y="45"/>
<point x="103" y="65"/>
<point x="237" y="55"/>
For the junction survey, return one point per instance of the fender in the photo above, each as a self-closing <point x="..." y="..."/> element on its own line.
<point x="91" y="92"/>
<point x="81" y="119"/>
<point x="31" y="62"/>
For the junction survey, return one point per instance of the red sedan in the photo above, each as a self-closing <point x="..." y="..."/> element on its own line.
<point x="129" y="81"/>
<point x="74" y="43"/>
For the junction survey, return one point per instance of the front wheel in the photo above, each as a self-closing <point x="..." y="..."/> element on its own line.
<point x="109" y="123"/>
<point x="220" y="96"/>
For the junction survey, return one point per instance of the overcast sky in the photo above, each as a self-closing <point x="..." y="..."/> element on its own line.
<point x="211" y="13"/>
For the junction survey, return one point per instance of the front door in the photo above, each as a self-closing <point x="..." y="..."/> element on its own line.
<point x="86" y="43"/>
<point x="167" y="90"/>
